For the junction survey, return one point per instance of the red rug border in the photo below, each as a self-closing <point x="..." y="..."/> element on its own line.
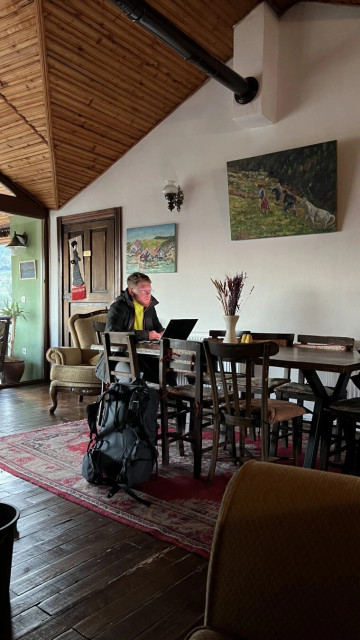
<point x="66" y="496"/>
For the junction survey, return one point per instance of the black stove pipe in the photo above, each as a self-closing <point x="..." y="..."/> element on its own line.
<point x="245" y="89"/>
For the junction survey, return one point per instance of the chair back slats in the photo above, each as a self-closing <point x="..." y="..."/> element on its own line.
<point x="99" y="328"/>
<point x="120" y="347"/>
<point x="184" y="357"/>
<point x="181" y="375"/>
<point x="323" y="342"/>
<point x="236" y="410"/>
<point x="282" y="339"/>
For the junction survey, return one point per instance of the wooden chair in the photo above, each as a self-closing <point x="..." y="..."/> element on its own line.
<point x="343" y="440"/>
<point x="99" y="328"/>
<point x="285" y="559"/>
<point x="282" y="339"/>
<point x="299" y="390"/>
<point x="240" y="409"/>
<point x="182" y="358"/>
<point x="4" y="337"/>
<point x="120" y="349"/>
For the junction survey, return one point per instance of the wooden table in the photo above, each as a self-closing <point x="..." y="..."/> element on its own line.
<point x="311" y="361"/>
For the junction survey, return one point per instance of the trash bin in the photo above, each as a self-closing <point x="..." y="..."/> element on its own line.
<point x="9" y="516"/>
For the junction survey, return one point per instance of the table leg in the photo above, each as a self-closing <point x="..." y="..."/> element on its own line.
<point x="319" y="424"/>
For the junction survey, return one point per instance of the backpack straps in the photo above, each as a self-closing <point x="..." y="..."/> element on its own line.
<point x="118" y="486"/>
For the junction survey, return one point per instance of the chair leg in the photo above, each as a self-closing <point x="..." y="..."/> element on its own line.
<point x="325" y="442"/>
<point x="274" y="440"/>
<point x="180" y="424"/>
<point x="338" y="435"/>
<point x="349" y="429"/>
<point x="164" y="433"/>
<point x="53" y="397"/>
<point x="196" y="422"/>
<point x="296" y="425"/>
<point x="215" y="447"/>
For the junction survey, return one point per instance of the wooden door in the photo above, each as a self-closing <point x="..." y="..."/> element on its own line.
<point x="101" y="244"/>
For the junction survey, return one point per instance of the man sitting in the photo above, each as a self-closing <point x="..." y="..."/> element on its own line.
<point x="134" y="310"/>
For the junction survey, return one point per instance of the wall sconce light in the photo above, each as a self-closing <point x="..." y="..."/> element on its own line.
<point x="173" y="195"/>
<point x="16" y="243"/>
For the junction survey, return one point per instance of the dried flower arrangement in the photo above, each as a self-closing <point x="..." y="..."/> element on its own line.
<point x="229" y="292"/>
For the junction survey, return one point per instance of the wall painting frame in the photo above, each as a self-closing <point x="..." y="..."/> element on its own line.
<point x="151" y="249"/>
<point x="286" y="193"/>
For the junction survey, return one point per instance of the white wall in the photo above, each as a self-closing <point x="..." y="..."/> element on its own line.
<point x="302" y="283"/>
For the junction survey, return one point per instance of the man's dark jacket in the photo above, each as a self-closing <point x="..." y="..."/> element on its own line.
<point x="121" y="316"/>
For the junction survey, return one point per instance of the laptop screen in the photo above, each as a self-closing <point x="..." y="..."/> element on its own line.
<point x="179" y="328"/>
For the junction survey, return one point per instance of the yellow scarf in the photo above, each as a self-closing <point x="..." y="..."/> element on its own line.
<point x="139" y="316"/>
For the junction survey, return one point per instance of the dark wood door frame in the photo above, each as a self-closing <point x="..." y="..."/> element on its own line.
<point x="24" y="204"/>
<point x="102" y="214"/>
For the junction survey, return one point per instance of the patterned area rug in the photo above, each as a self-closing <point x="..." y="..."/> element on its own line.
<point x="183" y="510"/>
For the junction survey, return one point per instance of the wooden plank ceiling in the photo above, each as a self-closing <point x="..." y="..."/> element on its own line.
<point x="80" y="84"/>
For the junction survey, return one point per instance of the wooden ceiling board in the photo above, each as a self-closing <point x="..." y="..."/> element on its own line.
<point x="133" y="94"/>
<point x="24" y="149"/>
<point x="81" y="84"/>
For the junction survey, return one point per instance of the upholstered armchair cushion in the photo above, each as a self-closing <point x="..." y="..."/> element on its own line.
<point x="80" y="375"/>
<point x="82" y="330"/>
<point x="71" y="356"/>
<point x="285" y="559"/>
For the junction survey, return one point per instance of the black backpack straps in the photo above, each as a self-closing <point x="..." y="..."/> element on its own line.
<point x="117" y="486"/>
<point x="92" y="412"/>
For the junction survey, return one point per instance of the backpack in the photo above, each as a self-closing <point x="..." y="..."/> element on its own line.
<point x="123" y="451"/>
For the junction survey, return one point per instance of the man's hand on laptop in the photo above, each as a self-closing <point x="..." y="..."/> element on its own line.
<point x="154" y="335"/>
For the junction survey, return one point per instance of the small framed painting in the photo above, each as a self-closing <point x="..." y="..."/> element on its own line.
<point x="151" y="249"/>
<point x="27" y="270"/>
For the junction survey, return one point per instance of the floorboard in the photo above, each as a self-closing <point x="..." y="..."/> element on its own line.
<point x="77" y="574"/>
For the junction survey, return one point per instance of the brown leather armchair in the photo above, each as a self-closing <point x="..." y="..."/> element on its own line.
<point x="73" y="368"/>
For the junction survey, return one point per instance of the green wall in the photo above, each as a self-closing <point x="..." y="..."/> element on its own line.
<point x="29" y="333"/>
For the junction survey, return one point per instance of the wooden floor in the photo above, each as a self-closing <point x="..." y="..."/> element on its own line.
<point x="76" y="574"/>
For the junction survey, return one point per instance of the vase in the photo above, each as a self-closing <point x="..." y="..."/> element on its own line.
<point x="230" y="323"/>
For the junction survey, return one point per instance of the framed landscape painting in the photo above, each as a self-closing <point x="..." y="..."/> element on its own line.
<point x="286" y="193"/>
<point x="151" y="249"/>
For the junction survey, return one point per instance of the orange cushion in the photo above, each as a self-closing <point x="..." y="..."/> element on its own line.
<point x="278" y="409"/>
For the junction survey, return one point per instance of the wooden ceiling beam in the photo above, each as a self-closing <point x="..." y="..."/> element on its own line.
<point x="21" y="202"/>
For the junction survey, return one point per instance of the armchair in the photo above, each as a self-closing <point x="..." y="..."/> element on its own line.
<point x="73" y="368"/>
<point x="285" y="557"/>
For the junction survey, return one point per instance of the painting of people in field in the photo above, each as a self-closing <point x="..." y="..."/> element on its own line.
<point x="152" y="249"/>
<point x="286" y="193"/>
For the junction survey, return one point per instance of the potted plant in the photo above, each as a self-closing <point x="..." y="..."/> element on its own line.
<point x="229" y="293"/>
<point x="13" y="367"/>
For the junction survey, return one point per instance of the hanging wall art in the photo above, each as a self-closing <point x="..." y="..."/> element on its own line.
<point x="151" y="249"/>
<point x="78" y="291"/>
<point x="286" y="193"/>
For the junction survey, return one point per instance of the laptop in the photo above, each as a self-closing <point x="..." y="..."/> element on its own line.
<point x="178" y="328"/>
